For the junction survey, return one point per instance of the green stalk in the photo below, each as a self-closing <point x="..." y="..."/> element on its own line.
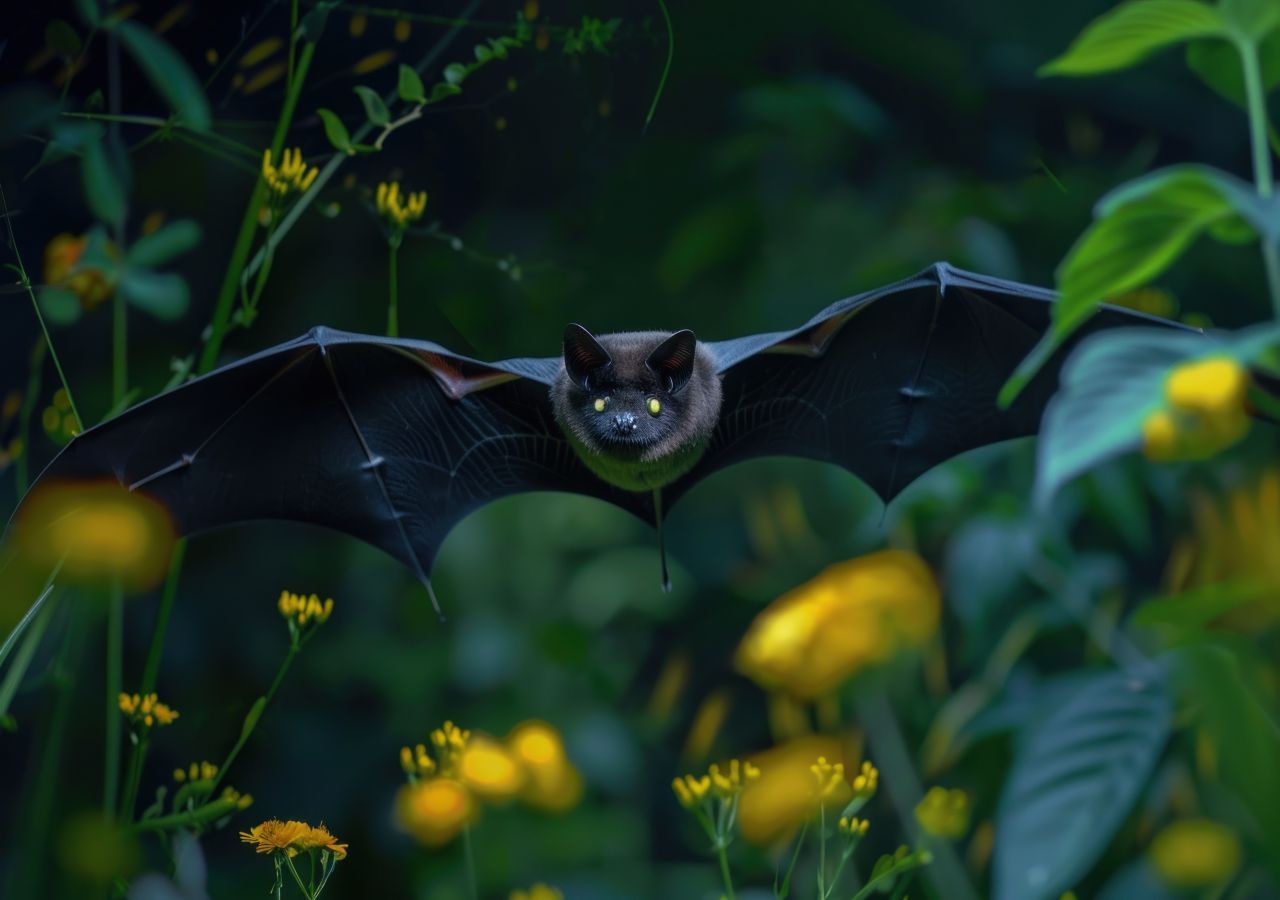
<point x="473" y="891"/>
<point x="393" y="316"/>
<point x="724" y="870"/>
<point x="249" y="223"/>
<point x="133" y="779"/>
<point x="822" y="850"/>
<point x="115" y="668"/>
<point x="1262" y="178"/>
<point x="152" y="670"/>
<point x="246" y="733"/>
<point x="21" y="470"/>
<point x="13" y="678"/>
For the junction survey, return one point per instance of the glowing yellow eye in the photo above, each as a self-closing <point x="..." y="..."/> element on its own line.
<point x="599" y="404"/>
<point x="654" y="406"/>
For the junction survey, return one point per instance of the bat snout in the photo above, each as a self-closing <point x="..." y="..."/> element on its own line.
<point x="625" y="423"/>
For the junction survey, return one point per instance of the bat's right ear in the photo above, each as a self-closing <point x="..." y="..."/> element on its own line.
<point x="583" y="355"/>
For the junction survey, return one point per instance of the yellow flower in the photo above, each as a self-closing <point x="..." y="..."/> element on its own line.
<point x="553" y="784"/>
<point x="275" y="836"/>
<point x="538" y="891"/>
<point x="146" y="710"/>
<point x="731" y="782"/>
<point x="853" y="615"/>
<point x="1205" y="411"/>
<point x="201" y="771"/>
<point x="319" y="838"/>
<point x="1195" y="853"/>
<point x="787" y="792"/>
<point x="293" y="175"/>
<point x="449" y="741"/>
<point x="417" y="762"/>
<point x="852" y="826"/>
<point x="830" y="777"/>
<point x="435" y="811"/>
<point x="400" y="211"/>
<point x="62" y="269"/>
<point x="58" y="419"/>
<point x="101" y="529"/>
<point x="691" y="790"/>
<point x="302" y="611"/>
<point x="944" y="813"/>
<point x="489" y="770"/>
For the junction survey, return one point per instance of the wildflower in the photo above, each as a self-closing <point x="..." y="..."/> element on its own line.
<point x="417" y="762"/>
<point x="96" y="849"/>
<point x="403" y="28"/>
<point x="731" y="782"/>
<point x="58" y="419"/>
<point x="373" y="62"/>
<point x="303" y="611"/>
<point x="944" y="813"/>
<point x="399" y="211"/>
<point x="538" y="891"/>
<point x="1195" y="853"/>
<point x="293" y="175"/>
<point x="691" y="790"/>
<point x="490" y="770"/>
<point x="852" y="826"/>
<point x="67" y="268"/>
<point x="201" y="771"/>
<point x="101" y="529"/>
<point x="553" y="783"/>
<point x="864" y="784"/>
<point x="236" y="800"/>
<point x="146" y="710"/>
<point x="853" y="615"/>
<point x="1204" y="411"/>
<point x="449" y="741"/>
<point x="435" y="811"/>
<point x="320" y="838"/>
<point x="830" y="776"/>
<point x="787" y="792"/>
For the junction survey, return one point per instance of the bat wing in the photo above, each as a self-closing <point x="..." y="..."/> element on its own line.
<point x="391" y="441"/>
<point x="890" y="383"/>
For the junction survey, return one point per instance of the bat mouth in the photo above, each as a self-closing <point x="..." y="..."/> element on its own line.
<point x="624" y="446"/>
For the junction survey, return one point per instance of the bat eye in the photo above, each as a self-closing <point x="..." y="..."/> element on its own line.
<point x="655" y="406"/>
<point x="600" y="404"/>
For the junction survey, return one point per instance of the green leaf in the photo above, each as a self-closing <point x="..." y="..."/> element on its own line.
<point x="168" y="73"/>
<point x="1218" y="65"/>
<point x="102" y="187"/>
<point x="159" y="247"/>
<point x="313" y="23"/>
<point x="410" y="86"/>
<point x="455" y="73"/>
<point x="1250" y="19"/>
<point x="61" y="38"/>
<point x="1075" y="779"/>
<point x="335" y="131"/>
<point x="374" y="109"/>
<point x="444" y="90"/>
<point x="1192" y="610"/>
<point x="1109" y="385"/>
<point x="252" y="716"/>
<point x="58" y="306"/>
<point x="483" y="53"/>
<point x="1133" y="30"/>
<point x="163" y="294"/>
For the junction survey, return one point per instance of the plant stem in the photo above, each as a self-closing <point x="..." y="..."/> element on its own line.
<point x="724" y="870"/>
<point x="115" y="669"/>
<point x="296" y="877"/>
<point x="246" y="733"/>
<point x="393" y="315"/>
<point x="822" y="850"/>
<point x="152" y="670"/>
<point x="473" y="890"/>
<point x="133" y="779"/>
<point x="13" y="678"/>
<point x="1262" y="178"/>
<point x="785" y="888"/>
<point x="34" y="378"/>
<point x="249" y="223"/>
<point x="887" y="744"/>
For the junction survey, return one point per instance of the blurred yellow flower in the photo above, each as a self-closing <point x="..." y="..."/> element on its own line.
<point x="302" y="610"/>
<point x="416" y="761"/>
<point x="853" y="615"/>
<point x="538" y="891"/>
<point x="852" y="826"/>
<point x="787" y="793"/>
<point x="201" y="771"/>
<point x="944" y="813"/>
<point x="400" y="211"/>
<point x="373" y="62"/>
<point x="449" y="741"/>
<point x="691" y="790"/>
<point x="1204" y="414"/>
<point x="489" y="770"/>
<point x="553" y="784"/>
<point x="59" y="419"/>
<point x="736" y="776"/>
<point x="146" y="710"/>
<point x="1195" y="853"/>
<point x="62" y="269"/>
<point x="95" y="849"/>
<point x="101" y="529"/>
<point x="435" y="811"/>
<point x="292" y="175"/>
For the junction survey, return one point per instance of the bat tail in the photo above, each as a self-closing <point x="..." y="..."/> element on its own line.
<point x="662" y="544"/>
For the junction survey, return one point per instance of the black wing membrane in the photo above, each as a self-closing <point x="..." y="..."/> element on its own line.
<point x="890" y="383"/>
<point x="390" y="441"/>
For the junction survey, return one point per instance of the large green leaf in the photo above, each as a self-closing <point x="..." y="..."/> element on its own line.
<point x="159" y="247"/>
<point x="1249" y="19"/>
<point x="1218" y="65"/>
<point x="163" y="294"/>
<point x="102" y="184"/>
<point x="1129" y="33"/>
<point x="1075" y="779"/>
<point x="168" y="73"/>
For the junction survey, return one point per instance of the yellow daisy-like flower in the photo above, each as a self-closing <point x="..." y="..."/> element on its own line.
<point x="1204" y="411"/>
<point x="730" y="783"/>
<point x="146" y="710"/>
<point x="691" y="790"/>
<point x="1195" y="853"/>
<point x="538" y="891"/>
<point x="302" y="610"/>
<point x="399" y="210"/>
<point x="275" y="836"/>
<point x="318" y="837"/>
<point x="293" y="175"/>
<point x="435" y="811"/>
<point x="944" y="813"/>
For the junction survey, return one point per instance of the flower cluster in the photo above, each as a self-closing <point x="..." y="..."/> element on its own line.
<point x="201" y="771"/>
<point x="852" y="826"/>
<point x="944" y="813"/>
<point x="58" y="419"/>
<point x="66" y="269"/>
<point x="853" y="615"/>
<point x="235" y="800"/>
<point x="304" y="611"/>
<point x="292" y="838"/>
<point x="146" y="711"/>
<point x="399" y="210"/>
<point x="293" y="175"/>
<point x="457" y="771"/>
<point x="1203" y="412"/>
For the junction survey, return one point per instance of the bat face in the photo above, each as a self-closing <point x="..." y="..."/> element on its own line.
<point x="639" y="406"/>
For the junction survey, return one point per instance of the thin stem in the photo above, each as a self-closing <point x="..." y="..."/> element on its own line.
<point x="724" y="870"/>
<point x="296" y="877"/>
<point x="21" y="471"/>
<point x="822" y="851"/>
<point x="133" y="778"/>
<point x="115" y="669"/>
<point x="1262" y="178"/>
<point x="152" y="669"/>
<point x="393" y="315"/>
<point x="13" y="678"/>
<point x="246" y="733"/>
<point x="785" y="888"/>
<point x="473" y="891"/>
<point x="835" y="876"/>
<point x="666" y="68"/>
<point x="44" y="329"/>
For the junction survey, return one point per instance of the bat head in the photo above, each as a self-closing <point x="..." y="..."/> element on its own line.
<point x="636" y="395"/>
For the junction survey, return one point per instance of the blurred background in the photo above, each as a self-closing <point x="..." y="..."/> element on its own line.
<point x="797" y="154"/>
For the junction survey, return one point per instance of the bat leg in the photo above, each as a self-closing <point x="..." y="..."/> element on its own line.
<point x="662" y="545"/>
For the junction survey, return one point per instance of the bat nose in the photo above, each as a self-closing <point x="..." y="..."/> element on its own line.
<point x="624" y="423"/>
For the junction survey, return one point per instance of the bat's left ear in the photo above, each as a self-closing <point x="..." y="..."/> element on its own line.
<point x="672" y="360"/>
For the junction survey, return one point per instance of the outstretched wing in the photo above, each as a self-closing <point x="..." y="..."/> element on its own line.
<point x="391" y="441"/>
<point x="890" y="383"/>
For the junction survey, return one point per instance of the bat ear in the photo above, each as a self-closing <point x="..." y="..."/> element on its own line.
<point x="672" y="360"/>
<point x="583" y="355"/>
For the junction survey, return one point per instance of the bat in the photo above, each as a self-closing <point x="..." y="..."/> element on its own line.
<point x="393" y="441"/>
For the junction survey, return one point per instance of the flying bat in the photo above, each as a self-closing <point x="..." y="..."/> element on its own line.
<point x="393" y="441"/>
